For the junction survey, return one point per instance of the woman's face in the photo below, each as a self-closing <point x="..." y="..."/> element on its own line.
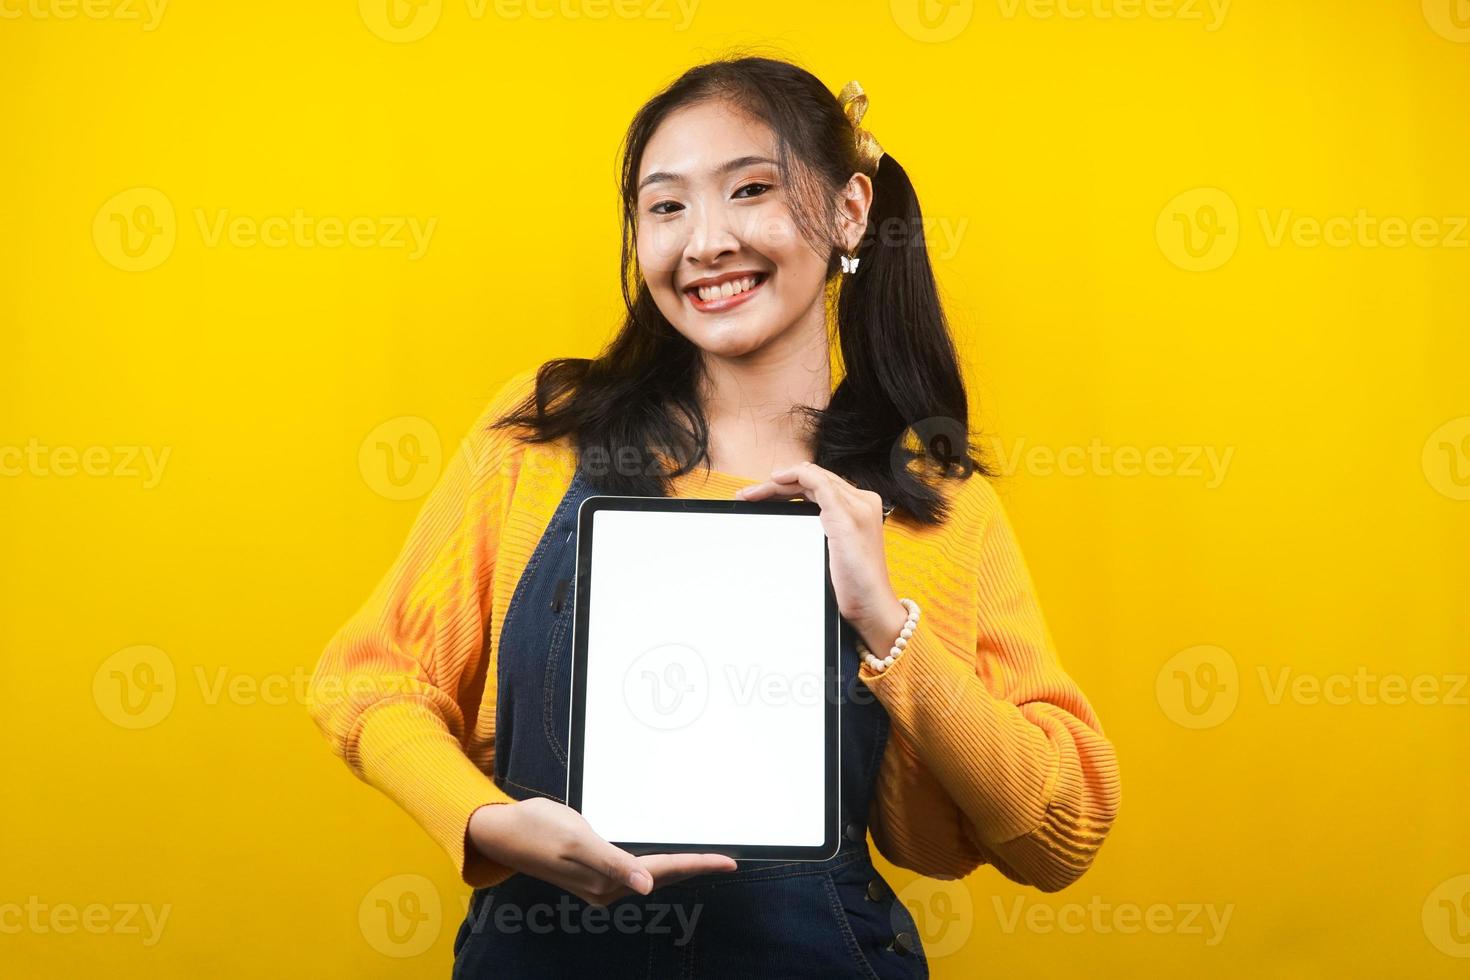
<point x="712" y="211"/>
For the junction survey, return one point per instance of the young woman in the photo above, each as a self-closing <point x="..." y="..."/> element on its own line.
<point x="757" y="211"/>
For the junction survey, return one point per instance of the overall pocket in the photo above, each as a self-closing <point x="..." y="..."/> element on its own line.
<point x="884" y="933"/>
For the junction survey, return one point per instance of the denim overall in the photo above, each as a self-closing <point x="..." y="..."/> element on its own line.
<point x="832" y="918"/>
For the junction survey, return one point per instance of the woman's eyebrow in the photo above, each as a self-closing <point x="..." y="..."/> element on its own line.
<point x="664" y="176"/>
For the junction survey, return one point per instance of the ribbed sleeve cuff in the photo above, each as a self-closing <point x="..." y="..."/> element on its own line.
<point x="404" y="749"/>
<point x="1071" y="832"/>
<point x="979" y="747"/>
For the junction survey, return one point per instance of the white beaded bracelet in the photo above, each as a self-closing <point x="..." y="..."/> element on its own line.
<point x="903" y="640"/>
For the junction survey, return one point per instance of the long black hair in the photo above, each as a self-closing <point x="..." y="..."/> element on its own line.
<point x="901" y="399"/>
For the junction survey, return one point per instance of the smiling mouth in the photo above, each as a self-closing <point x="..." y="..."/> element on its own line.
<point x="724" y="296"/>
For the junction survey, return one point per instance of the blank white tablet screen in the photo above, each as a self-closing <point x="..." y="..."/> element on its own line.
<point x="704" y="697"/>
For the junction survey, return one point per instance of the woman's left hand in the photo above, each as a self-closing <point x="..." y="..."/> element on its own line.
<point x="853" y="521"/>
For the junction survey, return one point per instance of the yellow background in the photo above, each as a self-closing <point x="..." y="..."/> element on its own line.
<point x="1063" y="150"/>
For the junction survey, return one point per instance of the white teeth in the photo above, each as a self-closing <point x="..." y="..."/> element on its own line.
<point x="726" y="289"/>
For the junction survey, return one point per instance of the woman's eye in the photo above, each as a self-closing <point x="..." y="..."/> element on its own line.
<point x="670" y="207"/>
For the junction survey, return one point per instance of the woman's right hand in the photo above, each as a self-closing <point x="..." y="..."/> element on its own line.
<point x="551" y="841"/>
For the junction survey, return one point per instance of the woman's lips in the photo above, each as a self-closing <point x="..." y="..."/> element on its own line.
<point x="723" y="303"/>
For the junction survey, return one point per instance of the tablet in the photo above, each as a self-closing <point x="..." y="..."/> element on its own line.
<point x="705" y="678"/>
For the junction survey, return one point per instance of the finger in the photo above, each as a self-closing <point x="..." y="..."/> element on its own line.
<point x="770" y="488"/>
<point x="669" y="880"/>
<point x="667" y="868"/>
<point x="664" y="863"/>
<point x="602" y="895"/>
<point x="588" y="884"/>
<point x="613" y="863"/>
<point x="818" y="484"/>
<point x="676" y="877"/>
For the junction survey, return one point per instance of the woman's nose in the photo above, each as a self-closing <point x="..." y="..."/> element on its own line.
<point x="710" y="236"/>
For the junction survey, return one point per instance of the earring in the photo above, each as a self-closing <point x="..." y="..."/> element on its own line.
<point x="850" y="263"/>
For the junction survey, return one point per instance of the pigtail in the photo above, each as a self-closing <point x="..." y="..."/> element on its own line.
<point x="902" y="373"/>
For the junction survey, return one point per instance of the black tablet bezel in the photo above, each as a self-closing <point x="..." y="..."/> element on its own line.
<point x="831" y="685"/>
